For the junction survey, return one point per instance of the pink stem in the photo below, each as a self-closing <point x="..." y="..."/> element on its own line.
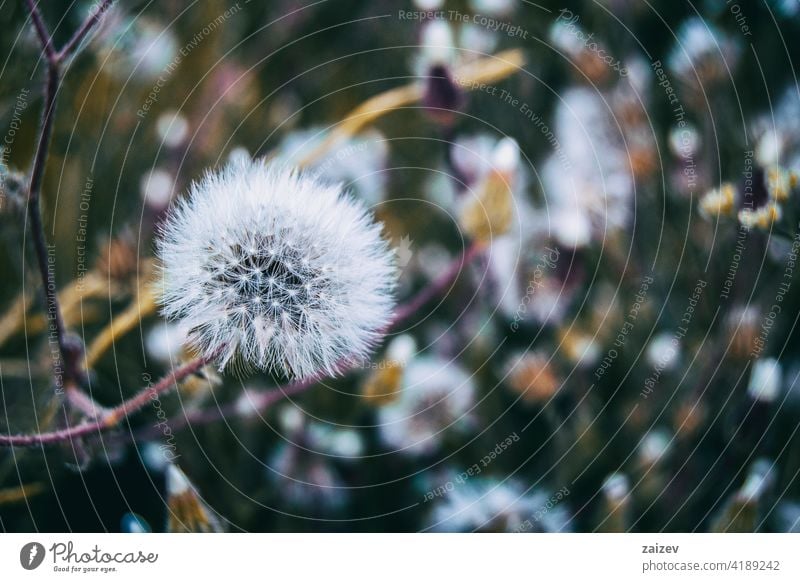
<point x="79" y="400"/>
<point x="435" y="288"/>
<point x="261" y="401"/>
<point x="91" y="22"/>
<point x="113" y="416"/>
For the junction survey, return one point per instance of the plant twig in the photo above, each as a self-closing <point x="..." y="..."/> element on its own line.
<point x="52" y="307"/>
<point x="52" y="84"/>
<point x="260" y="401"/>
<point x="112" y="417"/>
<point x="41" y="31"/>
<point x="83" y="31"/>
<point x="102" y="419"/>
<point x="437" y="286"/>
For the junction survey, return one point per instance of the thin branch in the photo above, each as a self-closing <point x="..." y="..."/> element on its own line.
<point x="52" y="84"/>
<point x="112" y="417"/>
<point x="52" y="306"/>
<point x="260" y="401"/>
<point x="437" y="286"/>
<point x="45" y="39"/>
<point x="88" y="25"/>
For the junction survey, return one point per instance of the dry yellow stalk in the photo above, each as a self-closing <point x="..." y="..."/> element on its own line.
<point x="15" y="494"/>
<point x="487" y="70"/>
<point x="143" y="306"/>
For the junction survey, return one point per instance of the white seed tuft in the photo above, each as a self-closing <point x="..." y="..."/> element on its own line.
<point x="276" y="269"/>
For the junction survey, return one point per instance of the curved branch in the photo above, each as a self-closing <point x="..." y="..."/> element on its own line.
<point x="111" y="418"/>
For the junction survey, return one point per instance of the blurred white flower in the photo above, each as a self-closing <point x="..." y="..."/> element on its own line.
<point x="654" y="445"/>
<point x="157" y="188"/>
<point x="437" y="45"/>
<point x="491" y="505"/>
<point x="765" y="380"/>
<point x="587" y="180"/>
<point x="358" y="163"/>
<point x="616" y="487"/>
<point x="437" y="396"/>
<point x="787" y="516"/>
<point x="277" y="268"/>
<point x="239" y="155"/>
<point x="571" y="229"/>
<point x="305" y="479"/>
<point x="684" y="141"/>
<point x="134" y="523"/>
<point x="338" y="442"/>
<point x="165" y="341"/>
<point x="760" y="477"/>
<point x="172" y="128"/>
<point x="428" y="4"/>
<point x="302" y="467"/>
<point x="480" y="39"/>
<point x="401" y="349"/>
<point x="492" y="7"/>
<point x="663" y="351"/>
<point x="702" y="53"/>
<point x="134" y="45"/>
<point x="777" y="133"/>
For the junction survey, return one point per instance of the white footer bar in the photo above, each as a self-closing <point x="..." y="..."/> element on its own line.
<point x="387" y="557"/>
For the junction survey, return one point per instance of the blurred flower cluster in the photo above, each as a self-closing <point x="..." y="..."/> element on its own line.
<point x="587" y="216"/>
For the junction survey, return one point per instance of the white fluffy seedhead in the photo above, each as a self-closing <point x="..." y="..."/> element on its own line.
<point x="277" y="269"/>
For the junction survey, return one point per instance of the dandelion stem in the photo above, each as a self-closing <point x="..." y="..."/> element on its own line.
<point x="111" y="418"/>
<point x="437" y="286"/>
<point x="260" y="401"/>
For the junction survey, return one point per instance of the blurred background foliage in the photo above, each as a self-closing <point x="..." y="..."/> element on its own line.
<point x="273" y="68"/>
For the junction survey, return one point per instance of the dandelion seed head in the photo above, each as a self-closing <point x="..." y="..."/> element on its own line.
<point x="279" y="270"/>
